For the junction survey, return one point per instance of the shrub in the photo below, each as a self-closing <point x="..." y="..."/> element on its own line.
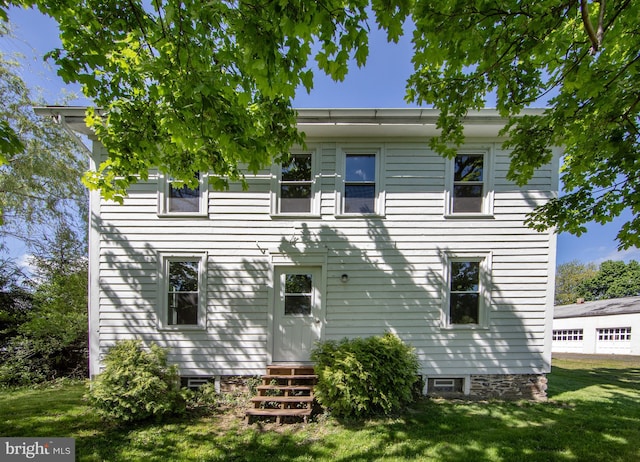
<point x="136" y="384"/>
<point x="365" y="376"/>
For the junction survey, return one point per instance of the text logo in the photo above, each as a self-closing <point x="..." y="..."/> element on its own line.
<point x="37" y="449"/>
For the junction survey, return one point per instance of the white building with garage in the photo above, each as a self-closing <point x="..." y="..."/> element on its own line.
<point x="598" y="327"/>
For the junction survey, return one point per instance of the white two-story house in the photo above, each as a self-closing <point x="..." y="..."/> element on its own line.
<point x="365" y="230"/>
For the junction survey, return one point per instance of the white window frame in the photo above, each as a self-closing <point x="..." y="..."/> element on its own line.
<point x="484" y="288"/>
<point x="164" y="258"/>
<point x="163" y="198"/>
<point x="488" y="182"/>
<point x="613" y="334"/>
<point x="276" y="190"/>
<point x="568" y="335"/>
<point x="341" y="167"/>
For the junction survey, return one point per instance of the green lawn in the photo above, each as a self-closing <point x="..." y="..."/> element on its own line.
<point x="593" y="415"/>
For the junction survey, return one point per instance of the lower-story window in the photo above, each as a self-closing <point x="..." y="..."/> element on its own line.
<point x="183" y="292"/>
<point x="183" y="283"/>
<point x="467" y="296"/>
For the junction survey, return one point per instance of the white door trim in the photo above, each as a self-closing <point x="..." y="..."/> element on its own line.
<point x="293" y="258"/>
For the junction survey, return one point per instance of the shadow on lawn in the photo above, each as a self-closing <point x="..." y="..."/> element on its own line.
<point x="595" y="417"/>
<point x="431" y="430"/>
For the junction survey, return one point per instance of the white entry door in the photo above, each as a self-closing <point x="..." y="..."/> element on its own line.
<point x="297" y="318"/>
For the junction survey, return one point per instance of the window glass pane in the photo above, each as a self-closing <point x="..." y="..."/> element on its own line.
<point x="183" y="198"/>
<point x="297" y="298"/>
<point x="183" y="276"/>
<point x="298" y="168"/>
<point x="465" y="276"/>
<point x="360" y="167"/>
<point x="297" y="305"/>
<point x="467" y="198"/>
<point x="183" y="295"/>
<point x="468" y="167"/>
<point x="295" y="198"/>
<point x="359" y="198"/>
<point x="183" y="308"/>
<point x="464" y="308"/>
<point x="298" y="283"/>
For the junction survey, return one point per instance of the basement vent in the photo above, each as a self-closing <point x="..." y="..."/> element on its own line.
<point x="445" y="385"/>
<point x="194" y="383"/>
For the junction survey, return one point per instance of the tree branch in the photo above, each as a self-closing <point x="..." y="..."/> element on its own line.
<point x="584" y="11"/>
<point x="595" y="37"/>
<point x="600" y="31"/>
<point x="141" y="25"/>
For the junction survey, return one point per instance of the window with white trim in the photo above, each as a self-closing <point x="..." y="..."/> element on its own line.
<point x="612" y="334"/>
<point x="568" y="335"/>
<point x="361" y="192"/>
<point x="469" y="187"/>
<point x="182" y="290"/>
<point x="294" y="190"/>
<point x="176" y="198"/>
<point x="466" y="301"/>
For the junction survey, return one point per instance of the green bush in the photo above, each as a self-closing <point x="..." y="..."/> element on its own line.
<point x="136" y="384"/>
<point x="365" y="376"/>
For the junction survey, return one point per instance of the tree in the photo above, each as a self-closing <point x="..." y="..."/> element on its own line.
<point x="569" y="277"/>
<point x="49" y="339"/>
<point x="40" y="183"/>
<point x="583" y="54"/>
<point x="15" y="300"/>
<point x="614" y="279"/>
<point x="188" y="86"/>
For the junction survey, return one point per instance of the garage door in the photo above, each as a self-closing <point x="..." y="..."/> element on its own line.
<point x="614" y="340"/>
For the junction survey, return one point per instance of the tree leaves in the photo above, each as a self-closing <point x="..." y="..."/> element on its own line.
<point x="523" y="51"/>
<point x="40" y="177"/>
<point x="189" y="86"/>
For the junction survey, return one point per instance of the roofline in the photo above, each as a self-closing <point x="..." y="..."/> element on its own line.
<point x="72" y="117"/>
<point x="618" y="307"/>
<point x="420" y="116"/>
<point x="400" y="116"/>
<point x="596" y="315"/>
<point x="343" y="122"/>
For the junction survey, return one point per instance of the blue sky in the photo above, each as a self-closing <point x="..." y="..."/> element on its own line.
<point x="380" y="84"/>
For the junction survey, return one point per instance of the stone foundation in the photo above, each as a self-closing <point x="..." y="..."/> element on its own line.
<point x="531" y="387"/>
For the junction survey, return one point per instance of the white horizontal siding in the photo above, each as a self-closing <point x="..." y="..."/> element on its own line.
<point x="394" y="263"/>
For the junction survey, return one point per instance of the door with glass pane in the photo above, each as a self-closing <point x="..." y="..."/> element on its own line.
<point x="297" y="318"/>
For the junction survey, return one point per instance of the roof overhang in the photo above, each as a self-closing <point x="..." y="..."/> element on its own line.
<point x="71" y="116"/>
<point x="405" y="122"/>
<point x="344" y="122"/>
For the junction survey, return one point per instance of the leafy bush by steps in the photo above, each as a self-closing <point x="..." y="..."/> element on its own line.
<point x="365" y="376"/>
<point x="136" y="384"/>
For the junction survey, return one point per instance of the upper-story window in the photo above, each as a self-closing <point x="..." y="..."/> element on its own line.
<point x="469" y="189"/>
<point x="361" y="191"/>
<point x="296" y="184"/>
<point x="178" y="199"/>
<point x="296" y="192"/>
<point x="468" y="183"/>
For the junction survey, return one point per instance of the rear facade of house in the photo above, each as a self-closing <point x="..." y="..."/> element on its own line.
<point x="366" y="230"/>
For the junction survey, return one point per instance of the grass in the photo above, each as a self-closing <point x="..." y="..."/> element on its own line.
<point x="593" y="414"/>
